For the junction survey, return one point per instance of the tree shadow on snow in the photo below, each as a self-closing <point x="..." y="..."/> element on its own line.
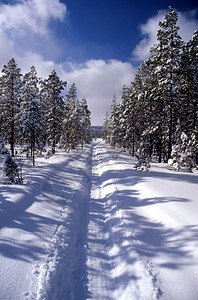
<point x="128" y="232"/>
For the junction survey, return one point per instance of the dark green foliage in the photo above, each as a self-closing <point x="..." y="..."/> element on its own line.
<point x="34" y="112"/>
<point x="10" y="98"/>
<point x="162" y="100"/>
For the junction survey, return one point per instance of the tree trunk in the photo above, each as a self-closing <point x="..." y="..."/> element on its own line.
<point x="53" y="146"/>
<point x="170" y="130"/>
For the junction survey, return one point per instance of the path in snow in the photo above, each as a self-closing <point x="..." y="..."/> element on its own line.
<point x="115" y="269"/>
<point x="86" y="225"/>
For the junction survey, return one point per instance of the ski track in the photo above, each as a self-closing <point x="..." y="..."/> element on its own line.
<point x="59" y="271"/>
<point x="91" y="255"/>
<point x="92" y="245"/>
<point x="115" y="268"/>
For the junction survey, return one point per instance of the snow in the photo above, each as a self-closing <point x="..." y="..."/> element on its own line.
<point x="87" y="225"/>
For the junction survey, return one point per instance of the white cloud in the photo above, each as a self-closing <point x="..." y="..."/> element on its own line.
<point x="30" y="58"/>
<point x="24" y="35"/>
<point x="187" y="22"/>
<point x="6" y="48"/>
<point x="33" y="15"/>
<point x="148" y="31"/>
<point x="98" y="81"/>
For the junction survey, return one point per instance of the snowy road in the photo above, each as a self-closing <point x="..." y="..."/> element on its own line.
<point x="115" y="270"/>
<point x="86" y="225"/>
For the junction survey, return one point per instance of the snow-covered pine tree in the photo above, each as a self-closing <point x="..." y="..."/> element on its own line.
<point x="114" y="123"/>
<point x="167" y="71"/>
<point x="188" y="89"/>
<point x="130" y="116"/>
<point x="10" y="102"/>
<point x="151" y="107"/>
<point x="54" y="108"/>
<point x="193" y="109"/>
<point x="145" y="105"/>
<point x="2" y="112"/>
<point x="163" y="96"/>
<point x="184" y="153"/>
<point x="31" y="114"/>
<point x="138" y="111"/>
<point x="105" y="128"/>
<point x="72" y="122"/>
<point x="85" y="122"/>
<point x="123" y="118"/>
<point x="10" y="168"/>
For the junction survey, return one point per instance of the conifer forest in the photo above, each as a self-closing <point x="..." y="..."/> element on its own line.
<point x="35" y="112"/>
<point x="156" y="115"/>
<point x="158" y="112"/>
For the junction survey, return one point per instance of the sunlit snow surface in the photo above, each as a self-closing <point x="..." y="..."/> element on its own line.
<point x="86" y="225"/>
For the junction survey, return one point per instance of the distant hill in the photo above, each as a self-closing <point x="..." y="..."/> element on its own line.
<point x="96" y="129"/>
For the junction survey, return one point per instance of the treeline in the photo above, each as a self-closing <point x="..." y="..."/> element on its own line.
<point x="159" y="108"/>
<point x="35" y="112"/>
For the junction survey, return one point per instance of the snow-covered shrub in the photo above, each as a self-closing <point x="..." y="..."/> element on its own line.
<point x="25" y="150"/>
<point x="143" y="163"/>
<point x="176" y="159"/>
<point x="174" y="164"/>
<point x="10" y="168"/>
<point x="184" y="154"/>
<point x="48" y="154"/>
<point x="188" y="148"/>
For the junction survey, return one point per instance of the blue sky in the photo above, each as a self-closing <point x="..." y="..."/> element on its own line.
<point x="111" y="29"/>
<point x="98" y="44"/>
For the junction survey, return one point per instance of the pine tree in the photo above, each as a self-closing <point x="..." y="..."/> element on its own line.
<point x="2" y="112"/>
<point x="85" y="122"/>
<point x="145" y="107"/>
<point x="131" y="117"/>
<point x="168" y="62"/>
<point x="72" y="122"/>
<point x="31" y="117"/>
<point x="54" y="107"/>
<point x="123" y="117"/>
<point x="10" y="102"/>
<point x="105" y="128"/>
<point x="114" y="123"/>
<point x="162" y="101"/>
<point x="10" y="168"/>
<point x="188" y="88"/>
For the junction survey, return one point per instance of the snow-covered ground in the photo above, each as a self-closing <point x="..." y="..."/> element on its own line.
<point x="86" y="225"/>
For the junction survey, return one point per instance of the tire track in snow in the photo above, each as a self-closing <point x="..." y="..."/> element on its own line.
<point x="115" y="268"/>
<point x="97" y="240"/>
<point x="58" y="271"/>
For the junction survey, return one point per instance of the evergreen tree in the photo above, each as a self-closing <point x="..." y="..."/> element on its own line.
<point x="72" y="123"/>
<point x="2" y="112"/>
<point x="162" y="100"/>
<point x="54" y="107"/>
<point x="10" y="168"/>
<point x="31" y="117"/>
<point x="10" y="102"/>
<point x="167" y="69"/>
<point x="145" y="107"/>
<point x="114" y="123"/>
<point x="123" y="120"/>
<point x="188" y="89"/>
<point x="85" y="122"/>
<point x="105" y="128"/>
<point x="131" y="117"/>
